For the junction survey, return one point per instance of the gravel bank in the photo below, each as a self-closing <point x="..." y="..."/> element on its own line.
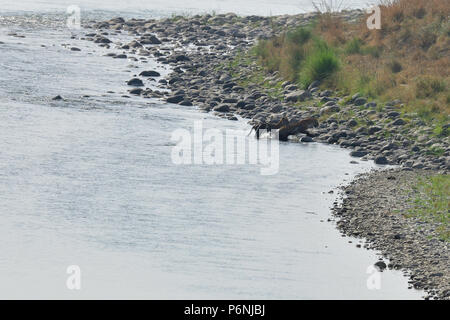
<point x="372" y="209"/>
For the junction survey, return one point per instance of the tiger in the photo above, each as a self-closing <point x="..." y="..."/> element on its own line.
<point x="300" y="126"/>
<point x="285" y="127"/>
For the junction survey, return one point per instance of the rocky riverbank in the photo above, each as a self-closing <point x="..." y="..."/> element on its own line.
<point x="203" y="52"/>
<point x="374" y="208"/>
<point x="212" y="69"/>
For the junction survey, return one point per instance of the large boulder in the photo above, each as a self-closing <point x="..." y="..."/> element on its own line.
<point x="150" y="40"/>
<point x="101" y="39"/>
<point x="135" y="82"/>
<point x="360" y="101"/>
<point x="222" y="108"/>
<point x="374" y="129"/>
<point x="399" y="122"/>
<point x="175" y="99"/>
<point x="150" y="73"/>
<point x="136" y="91"/>
<point x="329" y="109"/>
<point x="135" y="44"/>
<point x="381" y="160"/>
<point x="358" y="153"/>
<point x="299" y="95"/>
<point x="182" y="57"/>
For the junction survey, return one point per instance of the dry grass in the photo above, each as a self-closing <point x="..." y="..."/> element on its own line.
<point x="407" y="59"/>
<point x="414" y="37"/>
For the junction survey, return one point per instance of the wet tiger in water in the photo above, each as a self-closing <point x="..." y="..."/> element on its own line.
<point x="286" y="127"/>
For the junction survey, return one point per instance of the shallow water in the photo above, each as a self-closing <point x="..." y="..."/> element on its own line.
<point x="89" y="181"/>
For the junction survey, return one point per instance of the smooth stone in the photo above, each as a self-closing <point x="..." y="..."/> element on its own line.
<point x="150" y="73"/>
<point x="358" y="153"/>
<point x="306" y="139"/>
<point x="136" y="91"/>
<point x="360" y="101"/>
<point x="175" y="99"/>
<point x="399" y="122"/>
<point x="187" y="103"/>
<point x="135" y="82"/>
<point x="222" y="108"/>
<point x="381" y="160"/>
<point x="380" y="265"/>
<point x="299" y="95"/>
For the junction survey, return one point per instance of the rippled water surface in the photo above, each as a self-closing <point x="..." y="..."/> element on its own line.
<point x="89" y="181"/>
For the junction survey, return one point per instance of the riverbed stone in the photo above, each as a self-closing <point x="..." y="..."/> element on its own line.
<point x="150" y="73"/>
<point x="135" y="82"/>
<point x="299" y="95"/>
<point x="175" y="99"/>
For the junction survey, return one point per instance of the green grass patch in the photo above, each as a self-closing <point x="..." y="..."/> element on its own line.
<point x="435" y="151"/>
<point x="432" y="203"/>
<point x="320" y="63"/>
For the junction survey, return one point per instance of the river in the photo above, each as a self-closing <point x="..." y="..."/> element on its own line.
<point x="89" y="181"/>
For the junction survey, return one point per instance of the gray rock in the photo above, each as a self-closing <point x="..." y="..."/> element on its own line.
<point x="300" y="95"/>
<point x="314" y="84"/>
<point x="380" y="265"/>
<point x="291" y="87"/>
<point x="306" y="139"/>
<point x="399" y="122"/>
<point x="103" y="40"/>
<point x="352" y="123"/>
<point x="136" y="91"/>
<point x="374" y="129"/>
<point x="175" y="99"/>
<point x="326" y="93"/>
<point x="356" y="96"/>
<point x="134" y="44"/>
<point x="135" y="82"/>
<point x="381" y="160"/>
<point x="418" y="165"/>
<point x="150" y="73"/>
<point x="186" y="102"/>
<point x="329" y="109"/>
<point x="393" y="114"/>
<point x="222" y="108"/>
<point x="360" y="101"/>
<point x="151" y="40"/>
<point x="182" y="57"/>
<point x="358" y="153"/>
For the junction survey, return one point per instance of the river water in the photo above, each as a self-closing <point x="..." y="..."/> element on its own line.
<point x="89" y="181"/>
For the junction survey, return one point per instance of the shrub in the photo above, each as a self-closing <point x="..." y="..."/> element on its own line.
<point x="395" y="66"/>
<point x="429" y="87"/>
<point x="320" y="63"/>
<point x="299" y="35"/>
<point x="353" y="46"/>
<point x="374" y="51"/>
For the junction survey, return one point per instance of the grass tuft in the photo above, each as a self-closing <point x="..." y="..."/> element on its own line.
<point x="320" y="63"/>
